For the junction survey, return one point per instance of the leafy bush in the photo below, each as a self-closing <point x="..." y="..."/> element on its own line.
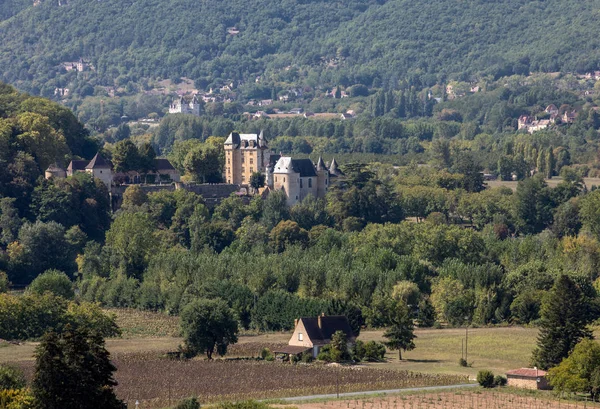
<point x="485" y="378"/>
<point x="499" y="380"/>
<point x="371" y="351"/>
<point x="462" y="362"/>
<point x="306" y="357"/>
<point x="16" y="399"/>
<point x="11" y="378"/>
<point x="53" y="281"/>
<point x="190" y="403"/>
<point x="4" y="283"/>
<point x="250" y="404"/>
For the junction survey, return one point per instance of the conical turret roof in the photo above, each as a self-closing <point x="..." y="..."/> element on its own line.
<point x="98" y="162"/>
<point x="320" y="164"/>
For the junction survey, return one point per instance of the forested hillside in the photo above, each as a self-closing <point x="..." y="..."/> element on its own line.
<point x="9" y="8"/>
<point x="314" y="41"/>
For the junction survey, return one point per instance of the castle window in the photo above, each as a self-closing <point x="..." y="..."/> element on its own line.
<point x="299" y="336"/>
<point x="228" y="160"/>
<point x="243" y="178"/>
<point x="326" y="181"/>
<point x="242" y="158"/>
<point x="309" y="182"/>
<point x="283" y="180"/>
<point x="275" y="178"/>
<point x="243" y="169"/>
<point x="251" y="169"/>
<point x="300" y="183"/>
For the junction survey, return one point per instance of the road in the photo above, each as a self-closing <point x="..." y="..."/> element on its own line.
<point x="380" y="392"/>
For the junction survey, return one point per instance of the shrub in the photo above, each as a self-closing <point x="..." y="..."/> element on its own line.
<point x="16" y="399"/>
<point x="4" y="283"/>
<point x="306" y="357"/>
<point x="190" y="403"/>
<point x="53" y="281"/>
<point x="374" y="351"/>
<point x="250" y="404"/>
<point x="485" y="378"/>
<point x="265" y="353"/>
<point x="11" y="378"/>
<point x="499" y="380"/>
<point x="462" y="362"/>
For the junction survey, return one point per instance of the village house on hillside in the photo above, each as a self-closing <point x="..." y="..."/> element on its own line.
<point x="311" y="334"/>
<point x="181" y="106"/>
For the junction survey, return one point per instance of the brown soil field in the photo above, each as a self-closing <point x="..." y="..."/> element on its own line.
<point x="505" y="399"/>
<point x="160" y="382"/>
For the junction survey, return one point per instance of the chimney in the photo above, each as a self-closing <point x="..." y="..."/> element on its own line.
<point x="295" y="322"/>
<point x="319" y="320"/>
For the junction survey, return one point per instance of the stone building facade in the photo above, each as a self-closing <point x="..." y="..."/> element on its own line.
<point x="244" y="155"/>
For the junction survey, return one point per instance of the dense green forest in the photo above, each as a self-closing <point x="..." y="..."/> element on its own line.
<point x="316" y="42"/>
<point x="432" y="236"/>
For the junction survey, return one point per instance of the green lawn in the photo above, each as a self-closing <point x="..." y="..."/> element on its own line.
<point x="497" y="349"/>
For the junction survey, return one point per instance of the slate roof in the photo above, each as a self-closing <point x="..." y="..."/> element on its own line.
<point x="304" y="167"/>
<point x="98" y="162"/>
<point x="77" y="165"/>
<point x="320" y="164"/>
<point x="330" y="324"/>
<point x="163" y="164"/>
<point x="527" y="372"/>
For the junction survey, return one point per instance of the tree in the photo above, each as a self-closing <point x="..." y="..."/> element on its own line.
<point x="533" y="204"/>
<point x="203" y="163"/>
<point x="131" y="241"/>
<point x="565" y="315"/>
<point x="10" y="223"/>
<point x="589" y="209"/>
<point x="257" y="180"/>
<point x="123" y="132"/>
<point x="73" y="371"/>
<point x="53" y="281"/>
<point x="580" y="371"/>
<point x="126" y="156"/>
<point x="275" y="209"/>
<point x="336" y="350"/>
<point x="288" y="233"/>
<point x="208" y="325"/>
<point x="134" y="196"/>
<point x="400" y="335"/>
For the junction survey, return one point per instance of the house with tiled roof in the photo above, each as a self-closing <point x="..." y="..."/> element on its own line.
<point x="527" y="378"/>
<point x="313" y="333"/>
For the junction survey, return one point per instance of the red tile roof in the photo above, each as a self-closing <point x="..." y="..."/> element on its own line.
<point x="527" y="372"/>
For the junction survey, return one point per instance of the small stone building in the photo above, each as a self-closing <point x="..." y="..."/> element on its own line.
<point x="528" y="378"/>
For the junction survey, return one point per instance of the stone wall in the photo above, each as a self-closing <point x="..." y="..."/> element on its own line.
<point x="528" y="383"/>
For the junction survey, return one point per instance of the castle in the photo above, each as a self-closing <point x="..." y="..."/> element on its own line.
<point x="246" y="154"/>
<point x="181" y="106"/>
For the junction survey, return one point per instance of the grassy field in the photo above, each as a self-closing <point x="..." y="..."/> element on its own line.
<point x="437" y="350"/>
<point x="589" y="182"/>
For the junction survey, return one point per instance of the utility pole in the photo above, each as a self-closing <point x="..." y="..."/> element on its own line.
<point x="467" y="343"/>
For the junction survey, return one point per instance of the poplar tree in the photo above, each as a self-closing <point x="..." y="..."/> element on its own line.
<point x="400" y="334"/>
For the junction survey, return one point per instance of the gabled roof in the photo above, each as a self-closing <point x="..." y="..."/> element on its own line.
<point x="527" y="372"/>
<point x="98" y="162"/>
<point x="330" y="324"/>
<point x="77" y="165"/>
<point x="54" y="168"/>
<point x="163" y="164"/>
